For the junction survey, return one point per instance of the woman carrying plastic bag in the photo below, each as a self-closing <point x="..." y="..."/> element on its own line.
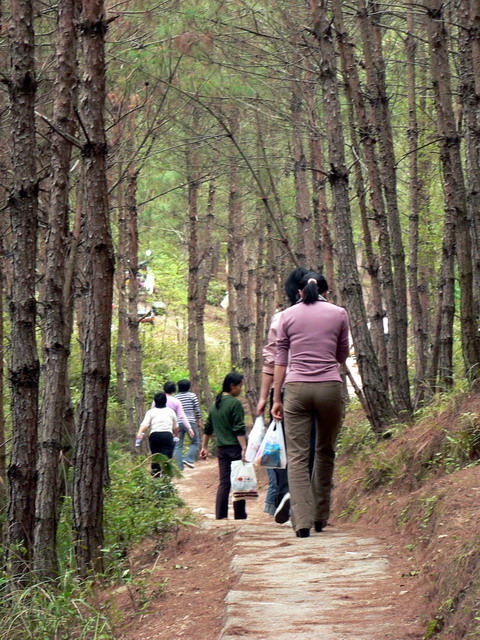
<point x="272" y="453"/>
<point x="243" y="480"/>
<point x="255" y="439"/>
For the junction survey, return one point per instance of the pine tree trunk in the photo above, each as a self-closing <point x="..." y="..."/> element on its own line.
<point x="97" y="271"/>
<point x="324" y="242"/>
<point x="133" y="350"/>
<point x="418" y="324"/>
<point x="306" y="254"/>
<point x="395" y="271"/>
<point x="457" y="224"/>
<point x="469" y="19"/>
<point x="233" y="258"/>
<point x="355" y="99"/>
<point x="193" y="265"/>
<point x="206" y="271"/>
<point x="56" y="330"/>
<point x="121" y="270"/>
<point x="24" y="364"/>
<point x="379" y="409"/>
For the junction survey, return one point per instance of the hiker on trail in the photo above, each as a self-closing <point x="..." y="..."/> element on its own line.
<point x="191" y="408"/>
<point x="315" y="335"/>
<point x="226" y="420"/>
<point x="162" y="422"/>
<point x="277" y="501"/>
<point x="169" y="389"/>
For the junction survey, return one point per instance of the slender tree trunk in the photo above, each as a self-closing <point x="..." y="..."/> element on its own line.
<point x="380" y="110"/>
<point x="260" y="306"/>
<point x="380" y="411"/>
<point x="24" y="364"/>
<point x="469" y="19"/>
<point x="206" y="271"/>
<point x="133" y="351"/>
<point x="305" y="237"/>
<point x="121" y="270"/>
<point x="457" y="224"/>
<point x="97" y="273"/>
<point x="56" y="330"/>
<point x="233" y="257"/>
<point x="193" y="264"/>
<point x="473" y="140"/>
<point x="418" y="325"/>
<point x="354" y="98"/>
<point x="324" y="242"/>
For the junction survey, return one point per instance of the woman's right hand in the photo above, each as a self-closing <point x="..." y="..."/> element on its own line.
<point x="277" y="410"/>
<point x="261" y="406"/>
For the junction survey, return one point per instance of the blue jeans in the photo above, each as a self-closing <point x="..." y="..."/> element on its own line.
<point x="192" y="449"/>
<point x="271" y="497"/>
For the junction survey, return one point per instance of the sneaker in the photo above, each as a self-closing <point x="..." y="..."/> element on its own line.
<point x="282" y="514"/>
<point x="189" y="464"/>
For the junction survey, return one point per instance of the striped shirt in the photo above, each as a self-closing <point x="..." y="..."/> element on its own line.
<point x="190" y="405"/>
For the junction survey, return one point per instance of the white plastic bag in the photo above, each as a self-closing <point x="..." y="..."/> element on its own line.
<point x="272" y="452"/>
<point x="255" y="439"/>
<point x="244" y="480"/>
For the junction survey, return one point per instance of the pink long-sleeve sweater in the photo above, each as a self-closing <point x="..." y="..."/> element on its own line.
<point x="317" y="337"/>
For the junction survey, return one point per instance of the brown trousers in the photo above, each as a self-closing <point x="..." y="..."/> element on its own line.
<point x="305" y="401"/>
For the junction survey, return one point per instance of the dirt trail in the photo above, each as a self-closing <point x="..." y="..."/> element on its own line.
<point x="341" y="584"/>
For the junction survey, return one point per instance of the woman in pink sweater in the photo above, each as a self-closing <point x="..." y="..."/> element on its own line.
<point x="312" y="338"/>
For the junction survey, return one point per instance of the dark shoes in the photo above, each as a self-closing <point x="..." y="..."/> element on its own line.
<point x="320" y="525"/>
<point x="303" y="533"/>
<point x="282" y="513"/>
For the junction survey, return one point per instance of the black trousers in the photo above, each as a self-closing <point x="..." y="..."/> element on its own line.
<point x="226" y="455"/>
<point x="161" y="442"/>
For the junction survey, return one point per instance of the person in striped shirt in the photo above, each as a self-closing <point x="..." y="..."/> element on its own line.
<point x="191" y="408"/>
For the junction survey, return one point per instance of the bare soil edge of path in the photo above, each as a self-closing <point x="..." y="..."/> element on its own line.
<point x="179" y="591"/>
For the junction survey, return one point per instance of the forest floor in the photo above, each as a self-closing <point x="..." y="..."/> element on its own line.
<point x="229" y="579"/>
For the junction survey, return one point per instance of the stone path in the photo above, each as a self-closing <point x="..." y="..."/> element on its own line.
<point x="331" y="586"/>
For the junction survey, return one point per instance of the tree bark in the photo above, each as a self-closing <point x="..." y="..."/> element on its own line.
<point x="24" y="364"/>
<point x="355" y="99"/>
<point x="56" y="330"/>
<point x="97" y="265"/>
<point x="121" y="270"/>
<point x="381" y="118"/>
<point x="133" y="350"/>
<point x="469" y="49"/>
<point x="418" y="324"/>
<point x="234" y="259"/>
<point x="306" y="254"/>
<point x="193" y="263"/>
<point x="380" y="411"/>
<point x="457" y="224"/>
<point x="206" y="271"/>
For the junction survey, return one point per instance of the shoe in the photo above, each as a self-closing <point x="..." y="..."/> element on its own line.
<point x="188" y="464"/>
<point x="282" y="512"/>
<point x="303" y="533"/>
<point x="320" y="525"/>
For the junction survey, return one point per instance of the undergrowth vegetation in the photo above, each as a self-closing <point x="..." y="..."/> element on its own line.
<point x="137" y="505"/>
<point x="420" y="480"/>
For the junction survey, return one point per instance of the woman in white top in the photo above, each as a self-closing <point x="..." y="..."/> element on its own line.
<point x="163" y="425"/>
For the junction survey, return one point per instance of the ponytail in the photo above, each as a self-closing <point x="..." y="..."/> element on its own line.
<point x="232" y="378"/>
<point x="312" y="285"/>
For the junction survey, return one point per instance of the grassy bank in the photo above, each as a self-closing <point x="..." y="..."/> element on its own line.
<point x="422" y="484"/>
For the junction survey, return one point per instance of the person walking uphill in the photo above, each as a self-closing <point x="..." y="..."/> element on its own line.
<point x="191" y="407"/>
<point x="163" y="425"/>
<point x="315" y="333"/>
<point x="226" y="420"/>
